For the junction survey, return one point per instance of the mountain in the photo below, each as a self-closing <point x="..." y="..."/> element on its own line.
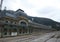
<point x="46" y="21"/>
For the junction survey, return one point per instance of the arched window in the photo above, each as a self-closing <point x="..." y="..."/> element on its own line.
<point x="23" y="23"/>
<point x="7" y="21"/>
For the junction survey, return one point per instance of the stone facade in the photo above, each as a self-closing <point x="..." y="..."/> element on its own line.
<point x="16" y="23"/>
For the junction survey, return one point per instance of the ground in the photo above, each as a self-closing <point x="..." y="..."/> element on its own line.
<point x="47" y="37"/>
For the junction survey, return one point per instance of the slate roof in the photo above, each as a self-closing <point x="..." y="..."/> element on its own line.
<point x="13" y="14"/>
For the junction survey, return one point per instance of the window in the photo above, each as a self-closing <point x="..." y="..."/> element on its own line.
<point x="15" y="30"/>
<point x="5" y="30"/>
<point x="15" y="22"/>
<point x="5" y="33"/>
<point x="6" y="21"/>
<point x="23" y="23"/>
<point x="11" y="22"/>
<point x="11" y="26"/>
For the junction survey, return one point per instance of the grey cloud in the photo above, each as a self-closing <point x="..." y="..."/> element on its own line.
<point x="46" y="10"/>
<point x="8" y="3"/>
<point x="51" y="13"/>
<point x="27" y="4"/>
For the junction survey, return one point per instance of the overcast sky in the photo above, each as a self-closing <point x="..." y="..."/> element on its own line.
<point x="40" y="8"/>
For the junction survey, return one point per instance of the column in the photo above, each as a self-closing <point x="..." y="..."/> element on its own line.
<point x="28" y="30"/>
<point x="1" y="32"/>
<point x="8" y="32"/>
<point x="17" y="31"/>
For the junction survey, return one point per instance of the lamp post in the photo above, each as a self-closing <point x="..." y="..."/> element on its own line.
<point x="1" y="1"/>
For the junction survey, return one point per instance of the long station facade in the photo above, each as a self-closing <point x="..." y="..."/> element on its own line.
<point x="14" y="23"/>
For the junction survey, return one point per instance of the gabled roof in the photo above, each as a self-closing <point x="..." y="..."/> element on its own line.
<point x="20" y="10"/>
